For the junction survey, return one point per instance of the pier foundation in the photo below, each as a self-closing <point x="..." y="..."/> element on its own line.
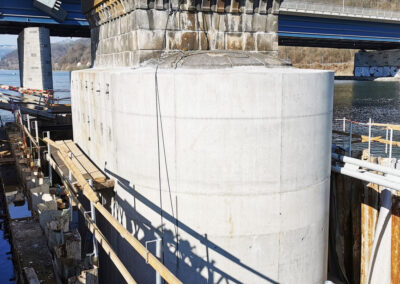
<point x="216" y="147"/>
<point x="244" y="167"/>
<point x="34" y="54"/>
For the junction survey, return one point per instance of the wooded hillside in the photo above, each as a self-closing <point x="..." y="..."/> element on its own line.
<point x="65" y="55"/>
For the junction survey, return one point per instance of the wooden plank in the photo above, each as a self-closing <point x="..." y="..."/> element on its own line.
<point x="89" y="167"/>
<point x="79" y="166"/>
<point x="108" y="184"/>
<point x="73" y="148"/>
<point x="5" y="153"/>
<point x="61" y="169"/>
<point x="98" y="176"/>
<point x="87" y="190"/>
<point x="62" y="146"/>
<point x="77" y="153"/>
<point x="85" y="167"/>
<point x="29" y="135"/>
<point x="82" y="163"/>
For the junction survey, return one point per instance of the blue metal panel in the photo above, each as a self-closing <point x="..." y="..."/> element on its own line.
<point x="17" y="14"/>
<point x="340" y="37"/>
<point x="338" y="31"/>
<point x="23" y="11"/>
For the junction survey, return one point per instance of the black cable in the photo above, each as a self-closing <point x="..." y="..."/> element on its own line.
<point x="159" y="157"/>
<point x="160" y="128"/>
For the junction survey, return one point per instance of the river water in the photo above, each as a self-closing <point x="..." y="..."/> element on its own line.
<point x="61" y="82"/>
<point x="361" y="100"/>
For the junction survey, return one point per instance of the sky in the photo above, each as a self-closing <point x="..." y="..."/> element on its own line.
<point x="12" y="39"/>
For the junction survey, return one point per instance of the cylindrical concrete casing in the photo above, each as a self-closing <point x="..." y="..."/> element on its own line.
<point x="248" y="161"/>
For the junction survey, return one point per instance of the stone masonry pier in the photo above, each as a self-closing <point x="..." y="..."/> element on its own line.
<point x="126" y="33"/>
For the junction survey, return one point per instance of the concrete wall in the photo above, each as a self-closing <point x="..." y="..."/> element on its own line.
<point x="34" y="52"/>
<point x="248" y="157"/>
<point x="384" y="63"/>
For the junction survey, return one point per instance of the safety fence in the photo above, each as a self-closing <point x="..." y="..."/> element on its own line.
<point x="353" y="138"/>
<point x="338" y="10"/>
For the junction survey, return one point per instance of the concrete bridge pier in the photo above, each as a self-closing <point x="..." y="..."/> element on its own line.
<point x="216" y="147"/>
<point x="376" y="64"/>
<point x="34" y="54"/>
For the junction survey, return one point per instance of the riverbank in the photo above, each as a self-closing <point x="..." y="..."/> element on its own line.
<point x="340" y="69"/>
<point x="368" y="79"/>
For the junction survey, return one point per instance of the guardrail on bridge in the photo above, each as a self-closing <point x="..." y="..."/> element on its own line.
<point x="329" y="10"/>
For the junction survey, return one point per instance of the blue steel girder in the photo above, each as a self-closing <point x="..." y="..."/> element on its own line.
<point x="18" y="14"/>
<point x="337" y="33"/>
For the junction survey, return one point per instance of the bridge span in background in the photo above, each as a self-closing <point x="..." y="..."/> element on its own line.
<point x="300" y="24"/>
<point x="323" y="25"/>
<point x="15" y="15"/>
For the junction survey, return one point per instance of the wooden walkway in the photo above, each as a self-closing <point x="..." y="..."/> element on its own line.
<point x="88" y="169"/>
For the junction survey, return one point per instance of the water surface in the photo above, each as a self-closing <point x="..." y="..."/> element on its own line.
<point x="361" y="100"/>
<point x="61" y="83"/>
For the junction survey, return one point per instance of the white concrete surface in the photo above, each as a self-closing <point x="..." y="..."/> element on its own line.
<point x="248" y="154"/>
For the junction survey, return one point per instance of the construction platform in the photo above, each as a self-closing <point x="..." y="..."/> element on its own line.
<point x="88" y="169"/>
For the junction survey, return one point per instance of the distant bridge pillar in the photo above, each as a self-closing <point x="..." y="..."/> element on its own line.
<point x="375" y="64"/>
<point x="34" y="54"/>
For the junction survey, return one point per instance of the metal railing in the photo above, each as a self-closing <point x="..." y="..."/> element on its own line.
<point x="386" y="173"/>
<point x="338" y="10"/>
<point x="349" y="125"/>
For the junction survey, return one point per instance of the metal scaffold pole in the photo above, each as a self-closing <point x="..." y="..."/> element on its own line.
<point x="37" y="141"/>
<point x="50" y="169"/>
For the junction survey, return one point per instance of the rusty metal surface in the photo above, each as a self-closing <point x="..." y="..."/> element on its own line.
<point x="396" y="239"/>
<point x="357" y="206"/>
<point x="369" y="217"/>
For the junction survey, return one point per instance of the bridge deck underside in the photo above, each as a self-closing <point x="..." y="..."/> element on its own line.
<point x="337" y="33"/>
<point x="16" y="15"/>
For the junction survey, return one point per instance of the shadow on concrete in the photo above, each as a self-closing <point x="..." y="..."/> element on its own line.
<point x="179" y="256"/>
